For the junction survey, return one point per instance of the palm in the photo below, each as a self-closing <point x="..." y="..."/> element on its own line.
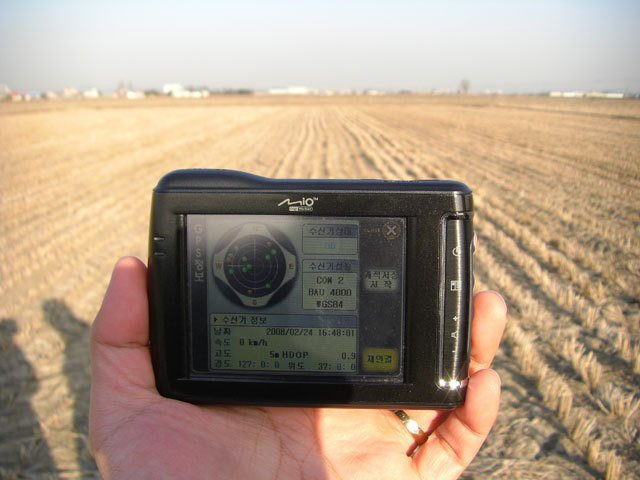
<point x="136" y="433"/>
<point x="239" y="442"/>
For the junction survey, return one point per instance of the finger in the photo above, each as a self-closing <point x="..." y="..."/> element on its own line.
<point x="487" y="326"/>
<point x="427" y="420"/>
<point x="453" y="445"/>
<point x="123" y="319"/>
<point x="120" y="333"/>
<point x="411" y="432"/>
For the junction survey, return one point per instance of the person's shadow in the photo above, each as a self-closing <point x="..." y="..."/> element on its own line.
<point x="77" y="370"/>
<point x="24" y="452"/>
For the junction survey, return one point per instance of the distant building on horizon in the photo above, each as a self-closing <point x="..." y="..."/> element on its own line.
<point x="91" y="93"/>
<point x="173" y="89"/>
<point x="69" y="92"/>
<point x="293" y="90"/>
<point x="615" y="95"/>
<point x="178" y="91"/>
<point x="592" y="94"/>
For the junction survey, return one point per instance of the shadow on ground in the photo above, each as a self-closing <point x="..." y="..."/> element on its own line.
<point x="75" y="334"/>
<point x="24" y="452"/>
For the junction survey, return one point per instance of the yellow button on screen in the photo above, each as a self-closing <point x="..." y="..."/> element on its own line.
<point x="380" y="359"/>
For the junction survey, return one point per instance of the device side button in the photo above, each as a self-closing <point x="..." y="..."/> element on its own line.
<point x="157" y="242"/>
<point x="456" y="310"/>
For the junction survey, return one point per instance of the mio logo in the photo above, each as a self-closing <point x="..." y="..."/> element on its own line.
<point x="303" y="205"/>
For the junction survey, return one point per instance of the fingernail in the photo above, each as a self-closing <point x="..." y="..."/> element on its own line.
<point x="506" y="308"/>
<point x="497" y="375"/>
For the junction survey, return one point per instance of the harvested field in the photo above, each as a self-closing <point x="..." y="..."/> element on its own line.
<point x="557" y="194"/>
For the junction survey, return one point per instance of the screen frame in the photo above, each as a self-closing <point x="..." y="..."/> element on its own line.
<point x="360" y="376"/>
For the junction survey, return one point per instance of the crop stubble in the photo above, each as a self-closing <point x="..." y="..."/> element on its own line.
<point x="556" y="186"/>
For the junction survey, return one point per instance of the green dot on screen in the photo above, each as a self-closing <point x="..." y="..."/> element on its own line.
<point x="273" y="251"/>
<point x="267" y="256"/>
<point x="236" y="248"/>
<point x="268" y="285"/>
<point x="231" y="271"/>
<point x="244" y="259"/>
<point x="244" y="269"/>
<point x="249" y="266"/>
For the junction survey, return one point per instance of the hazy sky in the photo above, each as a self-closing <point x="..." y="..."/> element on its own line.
<point x="513" y="46"/>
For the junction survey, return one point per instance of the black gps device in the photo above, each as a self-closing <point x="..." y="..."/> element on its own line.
<point x="310" y="292"/>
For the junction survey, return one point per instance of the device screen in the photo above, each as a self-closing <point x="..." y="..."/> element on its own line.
<point x="297" y="295"/>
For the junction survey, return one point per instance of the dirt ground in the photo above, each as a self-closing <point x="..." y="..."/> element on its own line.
<point x="557" y="192"/>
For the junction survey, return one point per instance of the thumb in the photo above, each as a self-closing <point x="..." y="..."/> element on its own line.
<point x="456" y="441"/>
<point x="120" y="332"/>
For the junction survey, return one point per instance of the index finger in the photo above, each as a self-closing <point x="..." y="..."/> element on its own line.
<point x="454" y="444"/>
<point x="487" y="326"/>
<point x="489" y="320"/>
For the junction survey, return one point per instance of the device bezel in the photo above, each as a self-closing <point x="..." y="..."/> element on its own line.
<point x="425" y="205"/>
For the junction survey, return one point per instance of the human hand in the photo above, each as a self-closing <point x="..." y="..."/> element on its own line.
<point x="136" y="433"/>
